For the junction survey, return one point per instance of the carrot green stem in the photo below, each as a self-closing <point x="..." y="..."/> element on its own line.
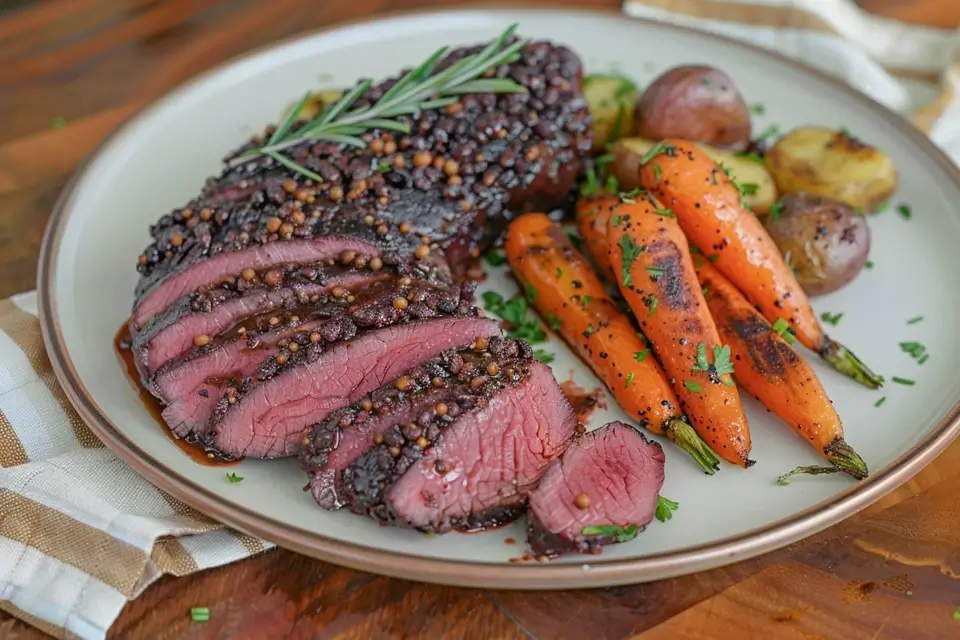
<point x="683" y="435"/>
<point x="844" y="361"/>
<point x="811" y="470"/>
<point x="846" y="459"/>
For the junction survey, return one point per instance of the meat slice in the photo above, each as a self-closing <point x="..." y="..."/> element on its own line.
<point x="604" y="489"/>
<point x="191" y="386"/>
<point x="489" y="158"/>
<point x="466" y="462"/>
<point x="266" y="417"/>
<point x="205" y="314"/>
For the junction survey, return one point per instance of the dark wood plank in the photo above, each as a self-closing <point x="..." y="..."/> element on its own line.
<point x="888" y="572"/>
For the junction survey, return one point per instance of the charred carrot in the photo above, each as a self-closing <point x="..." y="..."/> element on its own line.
<point x="575" y="304"/>
<point x="768" y="368"/>
<point x="713" y="215"/>
<point x="655" y="273"/>
<point x="593" y="218"/>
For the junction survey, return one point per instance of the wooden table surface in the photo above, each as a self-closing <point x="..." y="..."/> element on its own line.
<point x="72" y="70"/>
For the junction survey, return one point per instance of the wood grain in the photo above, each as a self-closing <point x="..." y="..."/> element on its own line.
<point x="890" y="572"/>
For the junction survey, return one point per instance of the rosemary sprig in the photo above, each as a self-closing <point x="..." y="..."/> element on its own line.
<point x="418" y="90"/>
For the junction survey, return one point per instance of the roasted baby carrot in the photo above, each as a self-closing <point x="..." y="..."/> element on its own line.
<point x="575" y="304"/>
<point x="593" y="217"/>
<point x="769" y="369"/>
<point x="655" y="273"/>
<point x="711" y="211"/>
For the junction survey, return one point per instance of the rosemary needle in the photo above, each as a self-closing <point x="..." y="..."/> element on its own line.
<point x="419" y="89"/>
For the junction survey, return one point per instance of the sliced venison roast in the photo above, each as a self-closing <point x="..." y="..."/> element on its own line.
<point x="267" y="415"/>
<point x="191" y="386"/>
<point x="484" y="423"/>
<point x="200" y="316"/>
<point x="454" y="181"/>
<point x="604" y="489"/>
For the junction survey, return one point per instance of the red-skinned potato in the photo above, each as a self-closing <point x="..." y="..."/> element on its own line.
<point x="695" y="103"/>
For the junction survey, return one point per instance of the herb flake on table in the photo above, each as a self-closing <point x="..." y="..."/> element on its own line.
<point x="880" y="401"/>
<point x="233" y="478"/>
<point x="904" y="381"/>
<point x="665" y="508"/>
<point x="200" y="614"/>
<point x="915" y="320"/>
<point x="905" y="210"/>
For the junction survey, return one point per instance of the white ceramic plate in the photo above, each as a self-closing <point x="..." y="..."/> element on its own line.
<point x="160" y="158"/>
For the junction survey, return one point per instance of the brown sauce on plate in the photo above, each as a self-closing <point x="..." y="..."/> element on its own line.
<point x="584" y="403"/>
<point x="121" y="345"/>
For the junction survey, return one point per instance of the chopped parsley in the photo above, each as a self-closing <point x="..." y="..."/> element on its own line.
<point x="612" y="184"/>
<point x="543" y="356"/>
<point x="651" y="303"/>
<point x="916" y="350"/>
<point x="693" y="386"/>
<point x="630" y="253"/>
<point x="775" y="210"/>
<point x="554" y="322"/>
<point x="575" y="240"/>
<point x="758" y="108"/>
<point x="615" y="221"/>
<point x="915" y="320"/>
<point x="713" y="257"/>
<point x="868" y="265"/>
<point x="770" y="132"/>
<point x="58" y="123"/>
<point x="630" y="197"/>
<point x="629" y="380"/>
<point x="883" y="206"/>
<point x="665" y="508"/>
<point x="904" y="381"/>
<point x="514" y="313"/>
<point x="702" y="364"/>
<point x="639" y="356"/>
<point x="781" y="328"/>
<point x="495" y="258"/>
<point x="200" y="614"/>
<point x="530" y="292"/>
<point x="585" y="301"/>
<point x="722" y="363"/>
<point x="605" y="159"/>
<point x="590" y="186"/>
<point x="880" y="401"/>
<point x="905" y="211"/>
<point x="559" y="272"/>
<point x="662" y="147"/>
<point x="751" y="156"/>
<point x="233" y="478"/>
<point x="590" y="331"/>
<point x="655" y="272"/>
<point x="832" y="319"/>
<point x="657" y="172"/>
<point x="665" y="211"/>
<point x="923" y="358"/>
<point x="617" y="534"/>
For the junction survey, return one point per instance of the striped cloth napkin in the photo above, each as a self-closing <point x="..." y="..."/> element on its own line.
<point x="81" y="533"/>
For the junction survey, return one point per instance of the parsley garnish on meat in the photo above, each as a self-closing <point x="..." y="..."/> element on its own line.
<point x="630" y="253"/>
<point x="665" y="508"/>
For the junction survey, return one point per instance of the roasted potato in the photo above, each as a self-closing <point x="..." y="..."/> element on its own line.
<point x="611" y="100"/>
<point x="700" y="104"/>
<point x="825" y="241"/>
<point x="833" y="164"/>
<point x="743" y="169"/>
